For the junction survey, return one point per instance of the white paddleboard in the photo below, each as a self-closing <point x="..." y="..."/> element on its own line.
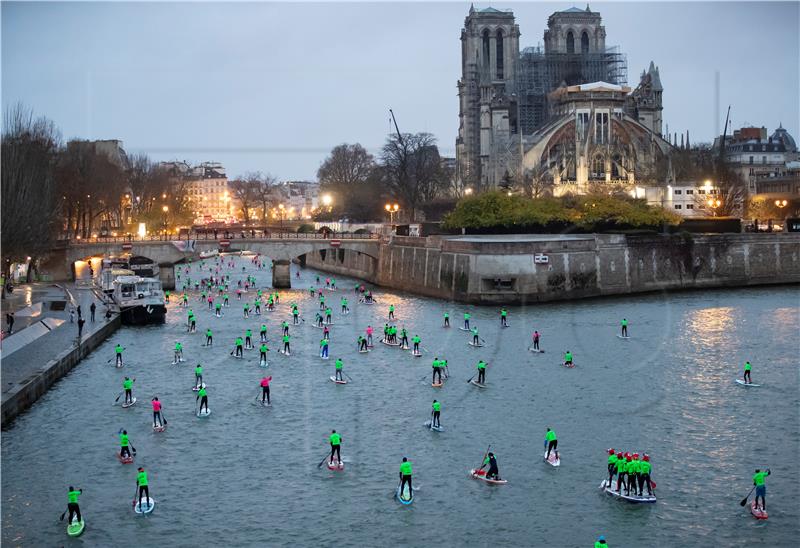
<point x="198" y="388"/>
<point x="478" y="384"/>
<point x="333" y="379"/>
<point x="740" y="381"/>
<point x="622" y="337"/>
<point x="146" y="507"/>
<point x="475" y="345"/>
<point x="428" y="425"/>
<point x="204" y="413"/>
<point x="553" y="460"/>
<point x="126" y="405"/>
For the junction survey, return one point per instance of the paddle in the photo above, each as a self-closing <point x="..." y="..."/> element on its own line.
<point x="135" y="494"/>
<point x="348" y="376"/>
<point x="163" y="418"/>
<point x="134" y="449"/>
<point x="472" y="377"/>
<point x="64" y="514"/>
<point x="483" y="460"/>
<point x="744" y="500"/>
<point x="431" y="426"/>
<point x="323" y="460"/>
<point x="118" y="397"/>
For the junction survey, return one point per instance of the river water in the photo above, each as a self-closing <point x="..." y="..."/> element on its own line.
<point x="248" y="475"/>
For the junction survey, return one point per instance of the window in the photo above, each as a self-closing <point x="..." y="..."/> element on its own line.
<point x="499" y="54"/>
<point x="584" y="42"/>
<point x="763" y="159"/>
<point x="689" y="206"/>
<point x="751" y="159"/>
<point x="570" y="42"/>
<point x="486" y="48"/>
<point x="701" y="191"/>
<point x="678" y="206"/>
<point x="678" y="191"/>
<point x="689" y="191"/>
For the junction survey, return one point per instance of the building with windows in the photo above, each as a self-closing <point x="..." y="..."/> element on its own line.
<point x="558" y="111"/>
<point x="754" y="156"/>
<point x="299" y="198"/>
<point x="206" y="187"/>
<point x="684" y="198"/>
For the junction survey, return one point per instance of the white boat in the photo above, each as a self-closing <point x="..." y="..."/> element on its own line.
<point x="140" y="300"/>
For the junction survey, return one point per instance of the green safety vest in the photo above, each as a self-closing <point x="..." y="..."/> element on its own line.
<point x="72" y="497"/>
<point x="202" y="392"/>
<point x="437" y="406"/>
<point x="198" y="370"/>
<point x="118" y="349"/>
<point x="551" y="436"/>
<point x="759" y="477"/>
<point x="123" y="440"/>
<point x="127" y="385"/>
<point x="263" y="348"/>
<point x="405" y="468"/>
<point x="141" y="479"/>
<point x="481" y="365"/>
<point x="336" y="439"/>
<point x="339" y="365"/>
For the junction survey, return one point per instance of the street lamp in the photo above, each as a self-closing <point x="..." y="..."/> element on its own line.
<point x="327" y="200"/>
<point x="468" y="191"/>
<point x="392" y="209"/>
<point x="165" y="209"/>
<point x="781" y="203"/>
<point x="280" y="215"/>
<point x="713" y="204"/>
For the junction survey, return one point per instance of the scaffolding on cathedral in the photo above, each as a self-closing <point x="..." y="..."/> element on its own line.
<point x="540" y="73"/>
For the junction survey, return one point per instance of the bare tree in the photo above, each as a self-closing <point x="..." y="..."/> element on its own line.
<point x="345" y="174"/>
<point x="535" y="182"/>
<point x="413" y="169"/>
<point x="264" y="191"/>
<point x="245" y="193"/>
<point x="29" y="199"/>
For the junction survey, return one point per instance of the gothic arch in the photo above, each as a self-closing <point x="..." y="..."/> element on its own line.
<point x="570" y="41"/>
<point x="499" y="53"/>
<point x="485" y="47"/>
<point x="584" y="42"/>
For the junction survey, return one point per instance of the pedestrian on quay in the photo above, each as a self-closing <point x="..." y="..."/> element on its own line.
<point x="81" y="321"/>
<point x="10" y="322"/>
<point x="92" y="310"/>
<point x="71" y="314"/>
<point x="80" y="315"/>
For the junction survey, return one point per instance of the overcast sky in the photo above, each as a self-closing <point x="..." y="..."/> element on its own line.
<point x="274" y="86"/>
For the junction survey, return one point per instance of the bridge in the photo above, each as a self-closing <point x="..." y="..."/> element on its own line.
<point x="281" y="248"/>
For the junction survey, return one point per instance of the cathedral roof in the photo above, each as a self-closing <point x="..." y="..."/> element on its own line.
<point x="655" y="79"/>
<point x="489" y="10"/>
<point x="573" y="9"/>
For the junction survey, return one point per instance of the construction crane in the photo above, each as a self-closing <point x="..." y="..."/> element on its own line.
<point x="399" y="137"/>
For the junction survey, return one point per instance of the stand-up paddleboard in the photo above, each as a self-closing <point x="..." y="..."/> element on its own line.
<point x="428" y="424"/>
<point x="648" y="499"/>
<point x="336" y="466"/>
<point x="535" y="351"/>
<point x="437" y="384"/>
<point x="757" y="512"/>
<point x="481" y="475"/>
<point x="478" y="384"/>
<point x="740" y="381"/>
<point x="333" y="379"/>
<point x="389" y="344"/>
<point x="284" y="353"/>
<point x="75" y="528"/>
<point x="204" y="413"/>
<point x="554" y="459"/>
<point x="368" y="302"/>
<point x="125" y="460"/>
<point x="237" y="357"/>
<point x="416" y="354"/>
<point x="405" y="497"/>
<point x="475" y="345"/>
<point x="624" y="336"/>
<point x="464" y="329"/>
<point x="405" y="347"/>
<point x="145" y="507"/>
<point x="132" y="402"/>
<point x="263" y="364"/>
<point x="196" y="388"/>
<point x="160" y="428"/>
<point x="363" y="351"/>
<point x="318" y="326"/>
<point x="568" y="366"/>
<point x="324" y="357"/>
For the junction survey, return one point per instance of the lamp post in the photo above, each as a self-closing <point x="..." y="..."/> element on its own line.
<point x="713" y="204"/>
<point x="281" y="210"/>
<point x="165" y="210"/>
<point x="392" y="209"/>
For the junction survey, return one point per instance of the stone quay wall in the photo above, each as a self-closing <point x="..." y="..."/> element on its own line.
<point x="507" y="271"/>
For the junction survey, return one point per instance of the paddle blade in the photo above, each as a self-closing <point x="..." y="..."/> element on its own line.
<point x="744" y="501"/>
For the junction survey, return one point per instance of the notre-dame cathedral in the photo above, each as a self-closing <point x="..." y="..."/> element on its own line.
<point x="561" y="114"/>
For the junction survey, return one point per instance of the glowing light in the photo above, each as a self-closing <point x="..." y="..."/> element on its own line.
<point x="327" y="200"/>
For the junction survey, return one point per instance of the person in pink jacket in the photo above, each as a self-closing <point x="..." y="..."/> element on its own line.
<point x="265" y="390"/>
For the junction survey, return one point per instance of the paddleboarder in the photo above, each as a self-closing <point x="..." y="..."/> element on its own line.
<point x="142" y="486"/>
<point x="437" y="408"/>
<point x="285" y="327"/>
<point x="202" y="395"/>
<point x="761" y="488"/>
<point x="362" y="344"/>
<point x="209" y="337"/>
<point x="644" y="474"/>
<point x="72" y="504"/>
<point x="405" y="476"/>
<point x="262" y="350"/>
<point x="391" y="311"/>
<point x="124" y="445"/>
<point x="198" y="376"/>
<point x="127" y="386"/>
<point x="611" y="465"/>
<point x="466" y="320"/>
<point x="493" y="472"/>
<point x="248" y="339"/>
<point x="568" y="358"/>
<point x="481" y="372"/>
<point x="323" y="348"/>
<point x="265" y="390"/>
<point x="437" y="371"/>
<point x="475" y="337"/>
<point x="157" y="420"/>
<point x="118" y="353"/>
<point x="369" y="335"/>
<point x="178" y="352"/>
<point x="286" y="349"/>
<point x="620" y="469"/>
<point x="416" y="340"/>
<point x="336" y="446"/>
<point x="747" y="379"/>
<point x="503" y="317"/>
<point x="536" y="340"/>
<point x="624" y="325"/>
<point x="238" y="347"/>
<point x="552" y="443"/>
<point x="339" y="366"/>
<point x="600" y="542"/>
<point x="447" y="319"/>
<point x="403" y="338"/>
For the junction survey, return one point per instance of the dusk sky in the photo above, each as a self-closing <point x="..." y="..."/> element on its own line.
<point x="274" y="86"/>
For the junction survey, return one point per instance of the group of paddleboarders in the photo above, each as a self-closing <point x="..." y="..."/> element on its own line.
<point x="632" y="471"/>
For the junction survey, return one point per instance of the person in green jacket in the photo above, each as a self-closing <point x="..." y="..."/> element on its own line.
<point x="238" y="343"/>
<point x="416" y="340"/>
<point x="118" y="351"/>
<point x="336" y="446"/>
<point x="72" y="504"/>
<point x="391" y="311"/>
<point x="747" y="368"/>
<point x="624" y="325"/>
<point x="178" y="352"/>
<point x="124" y="445"/>
<point x="612" y="465"/>
<point x="127" y="386"/>
<point x="405" y="476"/>
<point x="552" y="443"/>
<point x="198" y="376"/>
<point x="248" y="339"/>
<point x="600" y="542"/>
<point x="481" y="372"/>
<point x="202" y="395"/>
<point x="323" y="348"/>
<point x="437" y="371"/>
<point x="503" y="317"/>
<point x="263" y="333"/>
<point x="143" y="486"/>
<point x="644" y="474"/>
<point x="437" y="408"/>
<point x="494" y="471"/>
<point x="761" y="488"/>
<point x="466" y="320"/>
<point x="262" y="358"/>
<point x="286" y="349"/>
<point x="568" y="358"/>
<point x="475" y="338"/>
<point x="339" y="364"/>
<point x="620" y="469"/>
<point x="446" y="319"/>
<point x="209" y="337"/>
<point x="218" y="309"/>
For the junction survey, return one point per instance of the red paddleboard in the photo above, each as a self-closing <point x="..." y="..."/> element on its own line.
<point x="125" y="460"/>
<point x="757" y="512"/>
<point x="481" y="475"/>
<point x="335" y="466"/>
